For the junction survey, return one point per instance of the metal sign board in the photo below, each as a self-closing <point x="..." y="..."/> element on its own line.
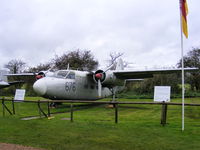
<point x="19" y="94"/>
<point x="162" y="93"/>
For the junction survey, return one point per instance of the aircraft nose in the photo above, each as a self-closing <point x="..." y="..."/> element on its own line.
<point x="40" y="87"/>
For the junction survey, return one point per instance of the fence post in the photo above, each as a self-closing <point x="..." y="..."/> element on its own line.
<point x="48" y="107"/>
<point x="71" y="117"/>
<point x="164" y="114"/>
<point x="39" y="108"/>
<point x="13" y="106"/>
<point x="3" y="107"/>
<point x="116" y="112"/>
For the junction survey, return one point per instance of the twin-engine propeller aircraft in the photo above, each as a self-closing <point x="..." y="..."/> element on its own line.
<point x="82" y="85"/>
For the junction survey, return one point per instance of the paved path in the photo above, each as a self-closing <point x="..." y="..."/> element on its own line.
<point x="5" y="146"/>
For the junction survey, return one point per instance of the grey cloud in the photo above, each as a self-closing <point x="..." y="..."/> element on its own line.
<point x="36" y="30"/>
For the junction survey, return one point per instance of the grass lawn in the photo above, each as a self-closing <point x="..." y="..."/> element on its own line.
<point x="94" y="128"/>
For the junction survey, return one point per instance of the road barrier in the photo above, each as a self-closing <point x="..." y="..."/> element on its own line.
<point x="71" y="102"/>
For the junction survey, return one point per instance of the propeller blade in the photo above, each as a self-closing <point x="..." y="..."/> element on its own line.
<point x="99" y="88"/>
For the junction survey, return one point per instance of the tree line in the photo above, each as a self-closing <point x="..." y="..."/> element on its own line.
<point x="85" y="60"/>
<point x="192" y="80"/>
<point x="81" y="60"/>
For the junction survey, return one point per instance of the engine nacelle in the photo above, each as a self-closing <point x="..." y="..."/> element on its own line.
<point x="107" y="78"/>
<point x="42" y="74"/>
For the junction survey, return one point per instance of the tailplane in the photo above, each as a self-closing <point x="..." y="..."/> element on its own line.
<point x="119" y="65"/>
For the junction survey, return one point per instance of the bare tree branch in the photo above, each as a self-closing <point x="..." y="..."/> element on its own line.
<point x="15" y="65"/>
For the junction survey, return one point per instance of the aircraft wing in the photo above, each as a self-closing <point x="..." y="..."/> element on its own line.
<point x="20" y="74"/>
<point x="4" y="84"/>
<point x="125" y="74"/>
<point x="15" y="82"/>
<point x="20" y="78"/>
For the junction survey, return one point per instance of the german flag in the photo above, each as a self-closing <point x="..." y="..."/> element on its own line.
<point x="184" y="12"/>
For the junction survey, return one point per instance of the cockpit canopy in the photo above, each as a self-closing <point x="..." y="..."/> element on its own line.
<point x="66" y="74"/>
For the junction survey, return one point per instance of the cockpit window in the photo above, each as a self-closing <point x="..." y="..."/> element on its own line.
<point x="61" y="74"/>
<point x="71" y="75"/>
<point x="65" y="74"/>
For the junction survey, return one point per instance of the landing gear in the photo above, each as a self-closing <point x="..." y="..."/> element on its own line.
<point x="55" y="104"/>
<point x="113" y="91"/>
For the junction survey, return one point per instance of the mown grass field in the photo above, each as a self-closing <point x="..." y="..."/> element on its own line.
<point x="94" y="128"/>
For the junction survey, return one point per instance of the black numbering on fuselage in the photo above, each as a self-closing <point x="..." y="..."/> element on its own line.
<point x="70" y="86"/>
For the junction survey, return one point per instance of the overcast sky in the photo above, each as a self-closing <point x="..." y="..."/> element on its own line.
<point x="146" y="31"/>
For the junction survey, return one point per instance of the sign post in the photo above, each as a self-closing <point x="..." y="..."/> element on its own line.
<point x="162" y="94"/>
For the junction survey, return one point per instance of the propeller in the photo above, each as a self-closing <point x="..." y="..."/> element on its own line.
<point x="99" y="88"/>
<point x="44" y="73"/>
<point x="99" y="77"/>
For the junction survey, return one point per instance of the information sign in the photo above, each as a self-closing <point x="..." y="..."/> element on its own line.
<point x="19" y="94"/>
<point x="162" y="93"/>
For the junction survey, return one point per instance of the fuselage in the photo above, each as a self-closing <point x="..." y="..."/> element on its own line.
<point x="73" y="85"/>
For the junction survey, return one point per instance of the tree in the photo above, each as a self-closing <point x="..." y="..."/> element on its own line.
<point x="15" y="65"/>
<point x="147" y="86"/>
<point x="113" y="59"/>
<point x="81" y="60"/>
<point x="114" y="56"/>
<point x="40" y="67"/>
<point x="192" y="59"/>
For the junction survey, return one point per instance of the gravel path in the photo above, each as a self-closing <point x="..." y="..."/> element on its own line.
<point x="5" y="146"/>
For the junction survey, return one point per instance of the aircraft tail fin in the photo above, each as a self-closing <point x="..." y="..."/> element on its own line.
<point x="2" y="75"/>
<point x="119" y="65"/>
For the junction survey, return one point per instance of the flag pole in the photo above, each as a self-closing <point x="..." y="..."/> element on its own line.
<point x="182" y="70"/>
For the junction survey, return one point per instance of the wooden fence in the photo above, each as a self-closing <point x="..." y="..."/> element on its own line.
<point x="71" y="102"/>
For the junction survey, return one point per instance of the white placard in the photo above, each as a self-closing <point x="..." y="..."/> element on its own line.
<point x="162" y="93"/>
<point x="19" y="94"/>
